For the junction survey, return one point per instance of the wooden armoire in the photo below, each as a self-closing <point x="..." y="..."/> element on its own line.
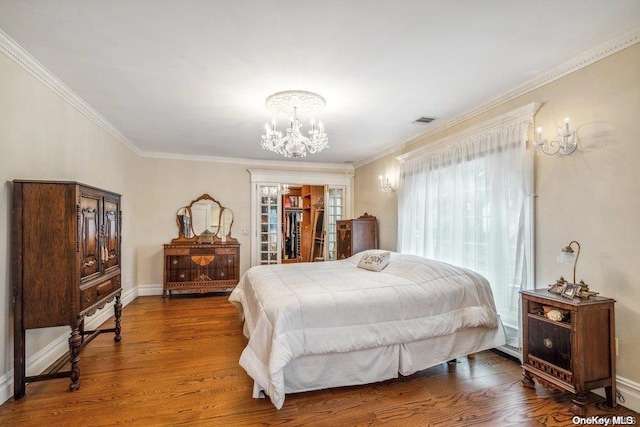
<point x="356" y="235"/>
<point x="66" y="250"/>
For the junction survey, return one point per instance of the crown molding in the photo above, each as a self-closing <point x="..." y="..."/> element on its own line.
<point x="576" y="63"/>
<point x="282" y="164"/>
<point x="14" y="51"/>
<point x="394" y="148"/>
<point x="299" y="177"/>
<point x="524" y="113"/>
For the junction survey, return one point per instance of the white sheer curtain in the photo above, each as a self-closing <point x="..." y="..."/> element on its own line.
<point x="469" y="204"/>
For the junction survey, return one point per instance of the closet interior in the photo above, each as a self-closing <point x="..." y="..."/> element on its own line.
<point x="303" y="233"/>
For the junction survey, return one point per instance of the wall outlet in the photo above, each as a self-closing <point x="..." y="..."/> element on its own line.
<point x="245" y="232"/>
<point x="616" y="346"/>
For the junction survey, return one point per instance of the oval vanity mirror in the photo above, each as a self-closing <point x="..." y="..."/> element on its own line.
<point x="205" y="216"/>
<point x="183" y="219"/>
<point x="226" y="221"/>
<point x="205" y="220"/>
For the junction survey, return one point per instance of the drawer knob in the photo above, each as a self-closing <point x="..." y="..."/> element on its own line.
<point x="182" y="275"/>
<point x="547" y="342"/>
<point x="175" y="261"/>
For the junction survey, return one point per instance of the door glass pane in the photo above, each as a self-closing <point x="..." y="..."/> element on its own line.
<point x="268" y="229"/>
<point x="335" y="206"/>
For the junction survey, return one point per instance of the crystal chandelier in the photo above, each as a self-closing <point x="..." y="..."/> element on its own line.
<point x="294" y="143"/>
<point x="284" y="189"/>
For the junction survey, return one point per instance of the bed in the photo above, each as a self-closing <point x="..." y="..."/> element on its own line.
<point x="318" y="325"/>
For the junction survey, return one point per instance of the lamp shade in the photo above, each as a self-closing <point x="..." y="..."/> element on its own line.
<point x="566" y="257"/>
<point x="569" y="256"/>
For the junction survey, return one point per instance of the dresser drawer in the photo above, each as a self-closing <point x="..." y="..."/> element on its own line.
<point x="182" y="275"/>
<point x="177" y="251"/>
<point x="186" y="262"/>
<point x="343" y="225"/>
<point x="94" y="293"/>
<point x="227" y="251"/>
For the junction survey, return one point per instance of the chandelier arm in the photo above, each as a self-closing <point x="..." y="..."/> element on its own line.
<point x="550" y="148"/>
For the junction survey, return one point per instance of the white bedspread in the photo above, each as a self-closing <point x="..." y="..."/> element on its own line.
<point x="315" y="308"/>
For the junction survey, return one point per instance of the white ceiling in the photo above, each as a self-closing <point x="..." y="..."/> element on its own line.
<point x="191" y="77"/>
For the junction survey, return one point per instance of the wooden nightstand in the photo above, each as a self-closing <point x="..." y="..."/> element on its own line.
<point x="577" y="353"/>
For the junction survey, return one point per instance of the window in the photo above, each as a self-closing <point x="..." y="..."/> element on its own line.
<point x="469" y="204"/>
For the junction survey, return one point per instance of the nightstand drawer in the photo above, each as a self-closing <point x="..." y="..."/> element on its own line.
<point x="551" y="343"/>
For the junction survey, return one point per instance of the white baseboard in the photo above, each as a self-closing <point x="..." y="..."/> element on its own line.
<point x="60" y="345"/>
<point x="629" y="390"/>
<point x="511" y="352"/>
<point x="149" y="290"/>
<point x="156" y="290"/>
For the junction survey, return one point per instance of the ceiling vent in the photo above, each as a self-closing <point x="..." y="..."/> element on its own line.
<point x="424" y="120"/>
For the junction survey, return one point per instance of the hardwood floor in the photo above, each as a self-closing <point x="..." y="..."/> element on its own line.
<point x="177" y="364"/>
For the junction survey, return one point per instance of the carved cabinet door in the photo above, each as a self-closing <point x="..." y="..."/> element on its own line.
<point x="343" y="239"/>
<point x="89" y="235"/>
<point x="111" y="244"/>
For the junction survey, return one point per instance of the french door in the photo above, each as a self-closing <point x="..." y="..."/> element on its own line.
<point x="269" y="240"/>
<point x="267" y="211"/>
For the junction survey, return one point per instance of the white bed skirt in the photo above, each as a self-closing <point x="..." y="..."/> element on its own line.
<point x="315" y="372"/>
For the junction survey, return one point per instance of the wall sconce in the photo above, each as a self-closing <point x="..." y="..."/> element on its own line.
<point x="385" y="185"/>
<point x="565" y="143"/>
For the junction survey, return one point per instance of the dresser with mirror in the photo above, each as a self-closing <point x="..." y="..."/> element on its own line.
<point x="204" y="257"/>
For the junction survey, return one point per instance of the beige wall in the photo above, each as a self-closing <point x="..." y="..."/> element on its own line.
<point x="167" y="185"/>
<point x="384" y="206"/>
<point x="592" y="196"/>
<point x="44" y="137"/>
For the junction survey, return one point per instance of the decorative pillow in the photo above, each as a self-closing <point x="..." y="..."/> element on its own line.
<point x="374" y="261"/>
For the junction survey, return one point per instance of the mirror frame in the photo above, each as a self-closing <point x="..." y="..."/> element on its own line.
<point x="183" y="221"/>
<point x="227" y="237"/>
<point x="206" y="237"/>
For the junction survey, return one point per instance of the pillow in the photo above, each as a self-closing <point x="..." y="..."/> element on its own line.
<point x="374" y="261"/>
